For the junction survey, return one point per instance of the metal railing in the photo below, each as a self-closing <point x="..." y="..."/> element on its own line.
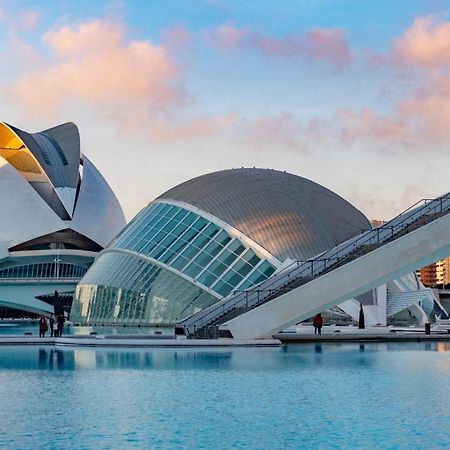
<point x="41" y="280"/>
<point x="301" y="272"/>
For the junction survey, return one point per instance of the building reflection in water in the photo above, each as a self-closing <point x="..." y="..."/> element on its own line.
<point x="294" y="356"/>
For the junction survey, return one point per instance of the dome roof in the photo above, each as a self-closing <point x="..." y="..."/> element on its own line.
<point x="290" y="216"/>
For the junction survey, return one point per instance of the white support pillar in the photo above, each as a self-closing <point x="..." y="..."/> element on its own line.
<point x="381" y="303"/>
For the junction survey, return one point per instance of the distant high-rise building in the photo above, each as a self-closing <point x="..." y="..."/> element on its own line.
<point x="435" y="274"/>
<point x="377" y="222"/>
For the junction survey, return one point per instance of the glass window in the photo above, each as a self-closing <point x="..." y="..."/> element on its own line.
<point x="222" y="238"/>
<point x="160" y="224"/>
<point x="223" y="288"/>
<point x="236" y="247"/>
<point x="242" y="267"/>
<point x="179" y="216"/>
<point x="251" y="257"/>
<point x="176" y="247"/>
<point x="266" y="268"/>
<point x="164" y="208"/>
<point x="203" y="259"/>
<point x="190" y="219"/>
<point x="213" y="248"/>
<point x="180" y="262"/>
<point x="168" y="256"/>
<point x="199" y="224"/>
<point x="156" y="208"/>
<point x="232" y="277"/>
<point x="207" y="278"/>
<point x="211" y="230"/>
<point x="171" y="211"/>
<point x="217" y="268"/>
<point x="193" y="270"/>
<point x="190" y="251"/>
<point x="168" y="228"/>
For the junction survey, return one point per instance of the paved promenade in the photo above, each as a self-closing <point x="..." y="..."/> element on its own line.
<point x="287" y="338"/>
<point x="305" y="334"/>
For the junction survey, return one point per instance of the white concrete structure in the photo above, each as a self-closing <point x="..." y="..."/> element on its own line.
<point x="58" y="212"/>
<point x="394" y="259"/>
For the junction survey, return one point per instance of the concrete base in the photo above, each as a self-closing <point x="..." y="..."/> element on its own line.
<point x="292" y="338"/>
<point x="135" y="341"/>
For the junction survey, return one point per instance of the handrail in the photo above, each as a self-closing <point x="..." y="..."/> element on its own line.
<point x="317" y="265"/>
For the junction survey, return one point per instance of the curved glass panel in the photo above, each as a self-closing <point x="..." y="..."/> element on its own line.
<point x="123" y="288"/>
<point x="43" y="270"/>
<point x="196" y="247"/>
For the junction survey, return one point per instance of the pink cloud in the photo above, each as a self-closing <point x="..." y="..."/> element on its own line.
<point x="317" y="44"/>
<point x="29" y="19"/>
<point x="229" y="37"/>
<point x="177" y="37"/>
<point x="320" y="44"/>
<point x="95" y="65"/>
<point x="196" y="128"/>
<point x="421" y="116"/>
<point x="368" y="124"/>
<point x="281" y="130"/>
<point x="426" y="43"/>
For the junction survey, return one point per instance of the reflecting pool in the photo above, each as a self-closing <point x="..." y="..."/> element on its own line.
<point x="9" y="328"/>
<point x="313" y="396"/>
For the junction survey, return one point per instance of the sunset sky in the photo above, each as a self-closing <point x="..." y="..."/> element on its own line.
<point x="354" y="95"/>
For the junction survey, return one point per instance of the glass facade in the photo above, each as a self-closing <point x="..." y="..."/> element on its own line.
<point x="43" y="271"/>
<point x="123" y="288"/>
<point x="213" y="264"/>
<point x="196" y="247"/>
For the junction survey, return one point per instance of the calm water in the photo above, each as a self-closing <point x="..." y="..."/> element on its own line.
<point x="19" y="329"/>
<point x="314" y="396"/>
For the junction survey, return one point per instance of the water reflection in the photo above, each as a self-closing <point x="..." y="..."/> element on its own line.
<point x="297" y="357"/>
<point x="443" y="346"/>
<point x="47" y="358"/>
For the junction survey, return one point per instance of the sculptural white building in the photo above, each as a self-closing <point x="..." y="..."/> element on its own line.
<point x="216" y="234"/>
<point x="57" y="213"/>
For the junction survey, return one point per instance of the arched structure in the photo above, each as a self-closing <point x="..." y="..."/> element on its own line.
<point x="208" y="237"/>
<point x="57" y="213"/>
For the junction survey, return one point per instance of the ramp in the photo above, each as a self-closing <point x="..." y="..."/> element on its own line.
<point x="415" y="238"/>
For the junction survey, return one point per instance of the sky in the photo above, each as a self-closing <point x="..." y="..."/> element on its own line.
<point x="354" y="95"/>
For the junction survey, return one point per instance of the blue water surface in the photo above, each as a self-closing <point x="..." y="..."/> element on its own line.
<point x="18" y="328"/>
<point x="371" y="396"/>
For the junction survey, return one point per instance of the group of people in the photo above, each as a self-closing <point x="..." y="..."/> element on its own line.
<point x="55" y="324"/>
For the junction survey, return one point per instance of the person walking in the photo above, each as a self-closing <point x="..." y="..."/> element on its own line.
<point x="51" y="321"/>
<point x="43" y="326"/>
<point x="318" y="322"/>
<point x="60" y="321"/>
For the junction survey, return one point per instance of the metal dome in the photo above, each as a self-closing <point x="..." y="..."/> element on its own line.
<point x="290" y="216"/>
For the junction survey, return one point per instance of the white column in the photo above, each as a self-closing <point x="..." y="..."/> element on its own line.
<point x="381" y="303"/>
